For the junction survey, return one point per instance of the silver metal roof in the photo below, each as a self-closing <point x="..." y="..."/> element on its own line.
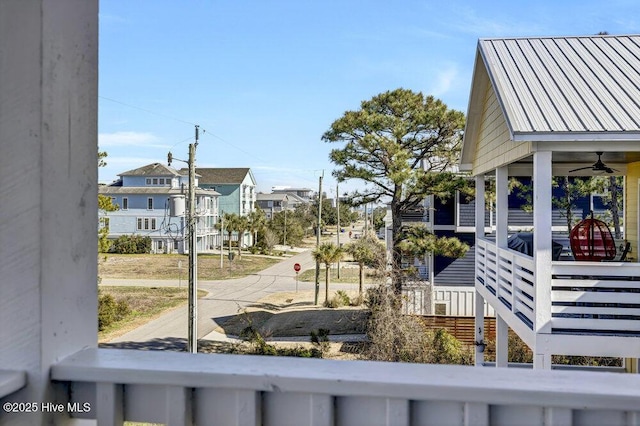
<point x="559" y="88"/>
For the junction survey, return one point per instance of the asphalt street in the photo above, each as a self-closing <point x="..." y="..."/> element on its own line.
<point x="226" y="298"/>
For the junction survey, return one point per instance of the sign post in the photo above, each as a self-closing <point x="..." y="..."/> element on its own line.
<point x="296" y="268"/>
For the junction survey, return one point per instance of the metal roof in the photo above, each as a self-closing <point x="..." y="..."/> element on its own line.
<point x="154" y="169"/>
<point x="561" y="88"/>
<point x="222" y="175"/>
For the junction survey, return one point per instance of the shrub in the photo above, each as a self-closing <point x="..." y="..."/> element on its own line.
<point x="320" y="341"/>
<point x="132" y="244"/>
<point x="339" y="299"/>
<point x="110" y="310"/>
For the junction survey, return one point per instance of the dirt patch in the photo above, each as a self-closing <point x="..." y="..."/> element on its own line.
<point x="294" y="314"/>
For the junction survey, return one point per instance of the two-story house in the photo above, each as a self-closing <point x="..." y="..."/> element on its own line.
<point x="143" y="197"/>
<point x="237" y="189"/>
<point x="273" y="203"/>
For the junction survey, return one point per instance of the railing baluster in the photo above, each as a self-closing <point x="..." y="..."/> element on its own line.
<point x="110" y="404"/>
<point x="178" y="406"/>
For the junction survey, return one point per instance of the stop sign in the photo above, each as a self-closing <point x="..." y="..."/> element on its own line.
<point x="296" y="267"/>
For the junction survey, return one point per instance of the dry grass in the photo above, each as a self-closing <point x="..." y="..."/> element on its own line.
<point x="174" y="266"/>
<point x="146" y="304"/>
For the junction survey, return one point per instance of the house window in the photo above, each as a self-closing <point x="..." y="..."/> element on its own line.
<point x="148" y="181"/>
<point x="104" y="223"/>
<point x="153" y="223"/>
<point x="139" y="226"/>
<point x="161" y="181"/>
<point x="159" y="245"/>
<point x="441" y="309"/>
<point x="155" y="181"/>
<point x="175" y="244"/>
<point x="125" y="203"/>
<point x="149" y="203"/>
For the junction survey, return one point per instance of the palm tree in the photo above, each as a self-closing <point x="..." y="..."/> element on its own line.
<point x="241" y="227"/>
<point x="365" y="251"/>
<point x="230" y="225"/>
<point x="327" y="253"/>
<point x="257" y="222"/>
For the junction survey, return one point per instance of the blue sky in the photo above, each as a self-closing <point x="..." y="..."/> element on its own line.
<point x="265" y="79"/>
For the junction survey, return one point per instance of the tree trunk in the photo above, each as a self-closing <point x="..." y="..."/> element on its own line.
<point x="396" y="272"/>
<point x="326" y="284"/>
<point x="615" y="215"/>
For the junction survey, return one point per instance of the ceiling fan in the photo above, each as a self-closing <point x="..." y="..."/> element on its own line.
<point x="598" y="166"/>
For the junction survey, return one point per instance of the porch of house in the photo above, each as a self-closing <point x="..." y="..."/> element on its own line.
<point x="557" y="307"/>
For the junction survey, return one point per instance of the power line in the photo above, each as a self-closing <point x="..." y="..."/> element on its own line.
<point x="147" y="110"/>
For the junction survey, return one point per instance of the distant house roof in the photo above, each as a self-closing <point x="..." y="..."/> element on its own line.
<point x="150" y="190"/>
<point x="271" y="197"/>
<point x="154" y="169"/>
<point x="219" y="175"/>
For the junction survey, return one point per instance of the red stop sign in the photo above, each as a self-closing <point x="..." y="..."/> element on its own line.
<point x="296" y="267"/>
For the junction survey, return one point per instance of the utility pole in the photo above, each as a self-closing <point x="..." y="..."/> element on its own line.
<point x="192" y="244"/>
<point x="193" y="248"/>
<point x="221" y="238"/>
<point x="338" y="213"/>
<point x="318" y="230"/>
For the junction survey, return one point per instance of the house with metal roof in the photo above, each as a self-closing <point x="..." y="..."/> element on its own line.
<point x="51" y="368"/>
<point x="544" y="107"/>
<point x="143" y="197"/>
<point x="237" y="189"/>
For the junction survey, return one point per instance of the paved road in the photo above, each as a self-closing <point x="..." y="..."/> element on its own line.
<point x="225" y="299"/>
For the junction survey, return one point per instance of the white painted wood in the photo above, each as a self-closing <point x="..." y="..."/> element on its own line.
<point x="502" y="342"/>
<point x="502" y="206"/>
<point x="426" y="413"/>
<point x="476" y="414"/>
<point x="595" y="297"/>
<point x="480" y="339"/>
<point x="366" y="411"/>
<point x="110" y="404"/>
<point x="520" y="415"/>
<point x="297" y="409"/>
<point x="587" y="269"/>
<point x="177" y="409"/>
<point x="542" y="239"/>
<point x="414" y="382"/>
<point x="227" y="407"/>
<point x="48" y="187"/>
<point x="11" y="381"/>
<point x="558" y="416"/>
<point x="542" y="360"/>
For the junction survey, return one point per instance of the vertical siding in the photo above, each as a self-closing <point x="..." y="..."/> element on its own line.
<point x="631" y="207"/>
<point x="494" y="146"/>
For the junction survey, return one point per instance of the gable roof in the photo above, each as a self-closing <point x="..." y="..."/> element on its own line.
<point x="559" y="88"/>
<point x="221" y="175"/>
<point x="271" y="197"/>
<point x="154" y="169"/>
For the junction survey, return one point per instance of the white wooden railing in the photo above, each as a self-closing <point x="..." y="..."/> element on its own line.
<point x="598" y="297"/>
<point x="509" y="276"/>
<point x="179" y="388"/>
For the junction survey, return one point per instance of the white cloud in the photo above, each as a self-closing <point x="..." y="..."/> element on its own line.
<point x="141" y="139"/>
<point x="444" y="79"/>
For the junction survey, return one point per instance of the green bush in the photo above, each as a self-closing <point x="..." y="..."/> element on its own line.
<point x="132" y="244"/>
<point x="339" y="299"/>
<point x="110" y="310"/>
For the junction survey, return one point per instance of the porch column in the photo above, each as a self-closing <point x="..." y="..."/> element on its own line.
<point x="542" y="253"/>
<point x="479" y="302"/>
<point x="48" y="186"/>
<point x="502" y="220"/>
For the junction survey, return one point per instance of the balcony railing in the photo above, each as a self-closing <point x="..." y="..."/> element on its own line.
<point x="179" y="389"/>
<point x="586" y="297"/>
<point x="509" y="276"/>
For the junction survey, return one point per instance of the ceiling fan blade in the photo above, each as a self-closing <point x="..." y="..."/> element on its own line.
<point x="581" y="168"/>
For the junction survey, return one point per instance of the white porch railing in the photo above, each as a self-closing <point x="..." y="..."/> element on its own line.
<point x="586" y="297"/>
<point x="179" y="388"/>
<point x="603" y="298"/>
<point x="509" y="276"/>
